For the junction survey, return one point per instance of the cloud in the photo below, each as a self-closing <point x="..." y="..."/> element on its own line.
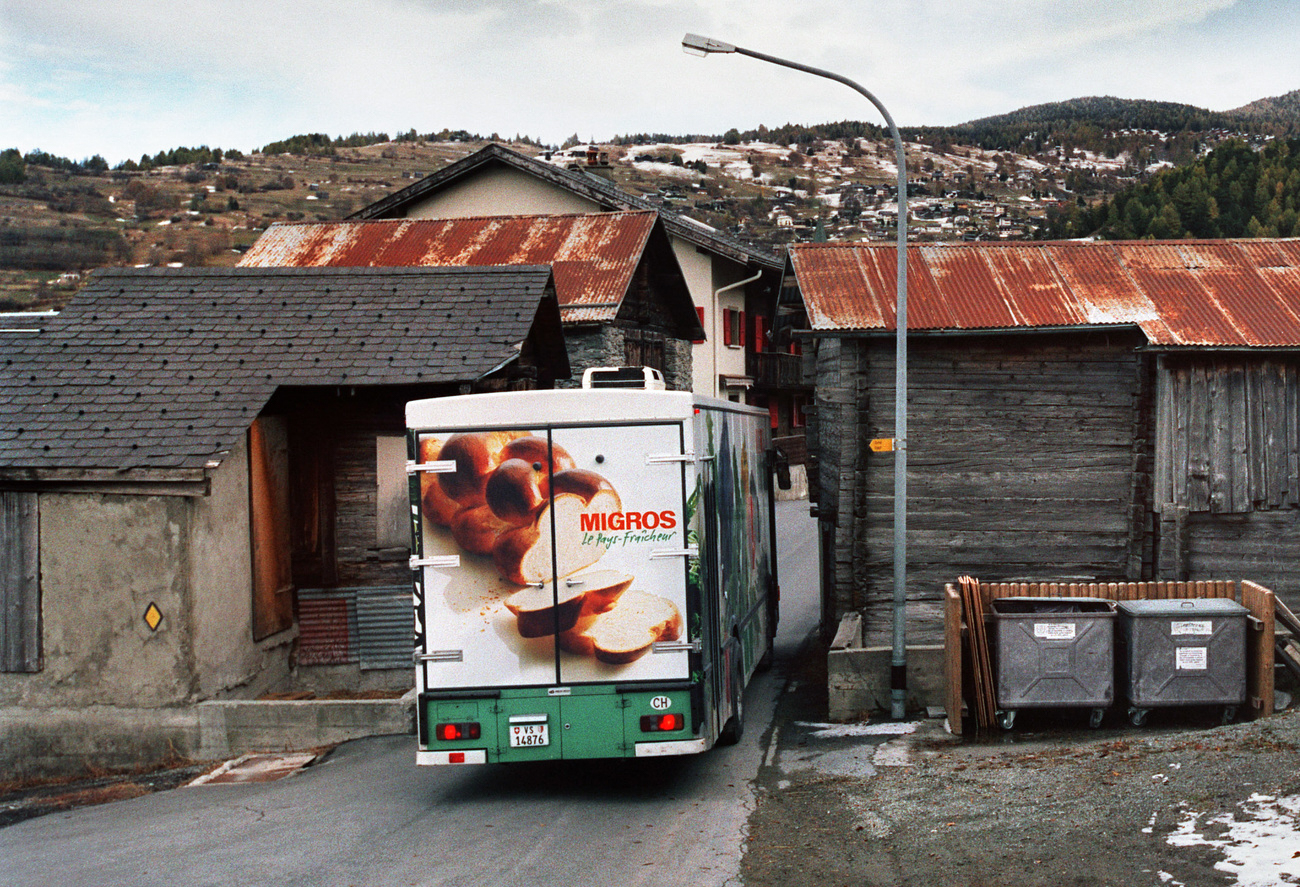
<point x="123" y="77"/>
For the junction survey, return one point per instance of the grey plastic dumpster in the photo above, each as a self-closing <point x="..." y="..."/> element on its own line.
<point x="1054" y="653"/>
<point x="1182" y="652"/>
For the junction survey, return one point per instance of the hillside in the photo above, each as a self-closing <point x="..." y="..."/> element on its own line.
<point x="1033" y="172"/>
<point x="1280" y="111"/>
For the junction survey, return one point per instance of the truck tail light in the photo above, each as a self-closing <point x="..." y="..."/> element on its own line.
<point x="452" y="732"/>
<point x="658" y="723"/>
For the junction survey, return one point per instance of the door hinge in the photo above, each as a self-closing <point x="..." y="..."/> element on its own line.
<point x="437" y="466"/>
<point x="445" y="561"/>
<point x="659" y="459"/>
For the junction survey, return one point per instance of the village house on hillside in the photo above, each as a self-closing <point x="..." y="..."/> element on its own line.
<point x="1117" y="411"/>
<point x="732" y="284"/>
<point x="202" y="487"/>
<point x="623" y="299"/>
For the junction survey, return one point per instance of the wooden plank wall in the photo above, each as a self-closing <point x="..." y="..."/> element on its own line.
<point x="20" y="591"/>
<point x="1264" y="545"/>
<point x="1227" y="472"/>
<point x="1022" y="462"/>
<point x="843" y="402"/>
<point x="359" y="560"/>
<point x="1228" y="434"/>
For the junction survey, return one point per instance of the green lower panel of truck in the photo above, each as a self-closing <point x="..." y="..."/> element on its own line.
<point x="545" y="724"/>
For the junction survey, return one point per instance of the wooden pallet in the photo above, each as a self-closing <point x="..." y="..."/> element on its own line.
<point x="967" y="611"/>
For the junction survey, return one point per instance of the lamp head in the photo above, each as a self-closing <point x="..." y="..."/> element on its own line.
<point x="702" y="46"/>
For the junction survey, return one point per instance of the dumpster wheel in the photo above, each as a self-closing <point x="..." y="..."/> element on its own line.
<point x="1006" y="719"/>
<point x="1138" y="716"/>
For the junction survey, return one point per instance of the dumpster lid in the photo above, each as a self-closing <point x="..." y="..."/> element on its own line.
<point x="1209" y="606"/>
<point x="1050" y="606"/>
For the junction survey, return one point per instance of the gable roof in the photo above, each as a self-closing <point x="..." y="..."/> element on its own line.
<point x="598" y="190"/>
<point x="594" y="256"/>
<point x="167" y="368"/>
<point x="1222" y="293"/>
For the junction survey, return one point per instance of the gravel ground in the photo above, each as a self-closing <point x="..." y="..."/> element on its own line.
<point x="1183" y="801"/>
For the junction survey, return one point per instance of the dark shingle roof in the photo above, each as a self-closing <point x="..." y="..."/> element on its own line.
<point x="594" y="188"/>
<point x="166" y="368"/>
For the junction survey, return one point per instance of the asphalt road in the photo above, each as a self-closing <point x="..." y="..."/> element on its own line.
<point x="366" y="815"/>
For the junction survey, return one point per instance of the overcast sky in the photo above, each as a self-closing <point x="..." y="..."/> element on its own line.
<point x="125" y="77"/>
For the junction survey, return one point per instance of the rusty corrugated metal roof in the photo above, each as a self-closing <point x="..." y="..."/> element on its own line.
<point x="592" y="256"/>
<point x="1222" y="293"/>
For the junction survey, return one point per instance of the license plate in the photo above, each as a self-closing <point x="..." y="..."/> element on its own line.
<point x="528" y="735"/>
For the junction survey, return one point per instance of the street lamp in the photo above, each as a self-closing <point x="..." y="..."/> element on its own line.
<point x="697" y="45"/>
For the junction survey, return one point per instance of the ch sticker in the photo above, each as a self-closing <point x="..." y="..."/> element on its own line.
<point x="660" y="703"/>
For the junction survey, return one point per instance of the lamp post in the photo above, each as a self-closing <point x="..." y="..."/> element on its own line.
<point x="697" y="45"/>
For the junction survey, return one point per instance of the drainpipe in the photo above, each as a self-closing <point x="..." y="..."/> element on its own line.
<point x="713" y="334"/>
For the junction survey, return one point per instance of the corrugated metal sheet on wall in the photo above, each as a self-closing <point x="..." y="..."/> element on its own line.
<point x="385" y="627"/>
<point x="373" y="627"/>
<point x="327" y="625"/>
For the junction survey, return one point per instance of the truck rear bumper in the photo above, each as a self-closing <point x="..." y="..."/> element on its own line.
<point x="437" y="758"/>
<point x="682" y="747"/>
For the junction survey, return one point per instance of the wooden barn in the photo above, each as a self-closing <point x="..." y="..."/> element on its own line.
<point x="1101" y="410"/>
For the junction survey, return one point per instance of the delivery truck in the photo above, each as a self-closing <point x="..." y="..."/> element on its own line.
<point x="594" y="569"/>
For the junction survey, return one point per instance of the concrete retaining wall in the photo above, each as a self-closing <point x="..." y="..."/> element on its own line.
<point x="70" y="741"/>
<point x="858" y="677"/>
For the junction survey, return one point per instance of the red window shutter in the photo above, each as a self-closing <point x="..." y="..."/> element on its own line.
<point x="699" y="312"/>
<point x="760" y="334"/>
<point x="774" y="412"/>
<point x="726" y="325"/>
<point x="742" y="327"/>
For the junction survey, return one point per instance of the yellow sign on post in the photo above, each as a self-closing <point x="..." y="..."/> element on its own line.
<point x="882" y="445"/>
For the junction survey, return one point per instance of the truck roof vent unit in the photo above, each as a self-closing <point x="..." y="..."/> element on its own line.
<point x="645" y="378"/>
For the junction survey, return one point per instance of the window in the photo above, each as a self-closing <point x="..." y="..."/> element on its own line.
<point x="20" y="588"/>
<point x="733" y="328"/>
<point x="797" y="412"/>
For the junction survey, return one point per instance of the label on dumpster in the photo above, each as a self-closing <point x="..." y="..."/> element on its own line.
<point x="1199" y="628"/>
<point x="1054" y="631"/>
<point x="1191" y="658"/>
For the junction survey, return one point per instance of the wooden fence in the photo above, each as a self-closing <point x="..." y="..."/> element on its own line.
<point x="961" y="659"/>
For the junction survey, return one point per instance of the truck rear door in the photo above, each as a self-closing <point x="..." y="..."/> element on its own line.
<point x="551" y="555"/>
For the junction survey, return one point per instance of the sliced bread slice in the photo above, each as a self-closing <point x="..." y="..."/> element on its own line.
<point x="541" y="610"/>
<point x="625" y="632"/>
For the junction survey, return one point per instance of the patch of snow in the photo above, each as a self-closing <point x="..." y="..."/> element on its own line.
<point x="1258" y="843"/>
<point x="836" y="731"/>
<point x="666" y="169"/>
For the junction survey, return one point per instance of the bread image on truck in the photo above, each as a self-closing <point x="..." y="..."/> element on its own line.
<point x="521" y="501"/>
<point x="568" y="571"/>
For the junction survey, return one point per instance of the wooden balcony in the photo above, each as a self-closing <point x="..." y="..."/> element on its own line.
<point x="770" y="369"/>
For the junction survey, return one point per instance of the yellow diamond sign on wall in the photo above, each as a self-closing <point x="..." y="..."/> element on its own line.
<point x="153" y="617"/>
